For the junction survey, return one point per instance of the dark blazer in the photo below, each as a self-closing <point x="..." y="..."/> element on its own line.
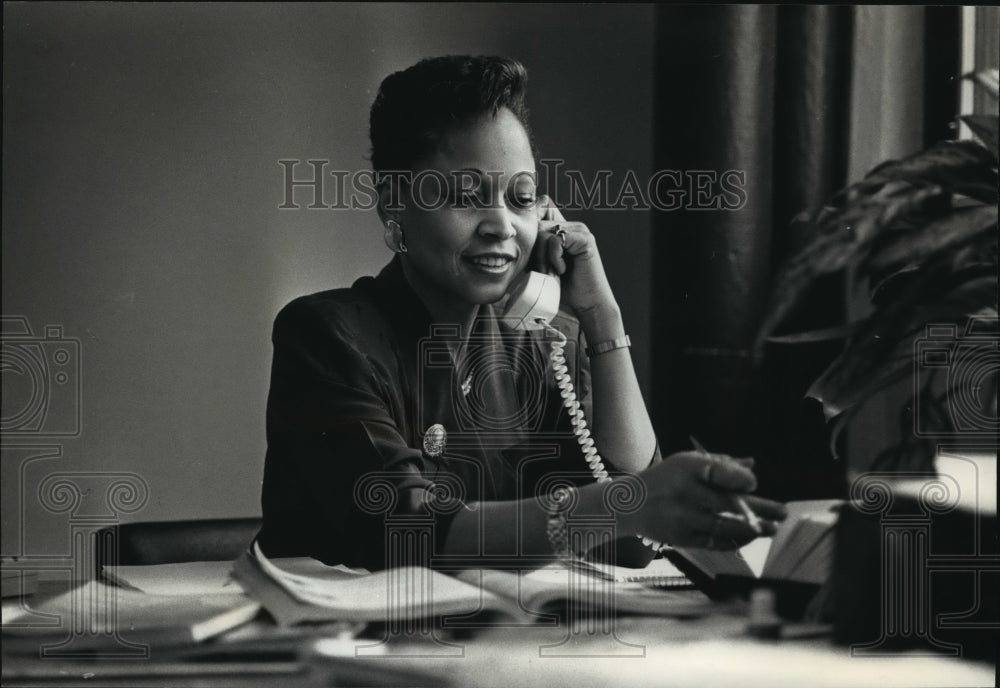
<point x="359" y="375"/>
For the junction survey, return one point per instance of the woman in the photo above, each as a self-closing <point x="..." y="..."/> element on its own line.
<point x="361" y="376"/>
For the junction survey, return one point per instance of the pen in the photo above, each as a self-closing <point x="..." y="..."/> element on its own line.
<point x="748" y="513"/>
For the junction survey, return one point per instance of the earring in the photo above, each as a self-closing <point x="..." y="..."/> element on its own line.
<point x="394" y="237"/>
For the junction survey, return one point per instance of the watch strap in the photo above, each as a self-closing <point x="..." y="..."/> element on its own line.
<point x="608" y="345"/>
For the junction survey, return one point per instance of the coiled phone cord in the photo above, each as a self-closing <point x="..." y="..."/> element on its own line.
<point x="578" y="420"/>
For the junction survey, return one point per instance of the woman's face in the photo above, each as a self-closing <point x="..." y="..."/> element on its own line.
<point x="467" y="242"/>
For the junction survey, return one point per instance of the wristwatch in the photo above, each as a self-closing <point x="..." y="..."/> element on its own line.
<point x="608" y="345"/>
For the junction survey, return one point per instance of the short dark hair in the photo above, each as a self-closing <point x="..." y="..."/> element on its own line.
<point x="414" y="108"/>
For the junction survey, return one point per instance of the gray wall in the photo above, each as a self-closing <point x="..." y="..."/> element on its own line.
<point x="140" y="212"/>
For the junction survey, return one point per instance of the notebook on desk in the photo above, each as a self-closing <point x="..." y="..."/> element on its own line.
<point x="659" y="573"/>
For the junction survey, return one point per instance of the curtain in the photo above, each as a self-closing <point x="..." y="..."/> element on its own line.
<point x="769" y="95"/>
<point x="714" y="112"/>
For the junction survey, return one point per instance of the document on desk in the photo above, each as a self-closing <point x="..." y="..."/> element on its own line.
<point x="417" y="592"/>
<point x="294" y="592"/>
<point x="187" y="578"/>
<point x="109" y="612"/>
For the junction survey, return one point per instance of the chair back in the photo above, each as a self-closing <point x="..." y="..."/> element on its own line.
<point x="170" y="542"/>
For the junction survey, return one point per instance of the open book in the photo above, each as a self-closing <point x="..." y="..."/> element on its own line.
<point x="800" y="552"/>
<point x="303" y="590"/>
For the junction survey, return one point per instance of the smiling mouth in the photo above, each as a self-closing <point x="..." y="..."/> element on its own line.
<point x="494" y="265"/>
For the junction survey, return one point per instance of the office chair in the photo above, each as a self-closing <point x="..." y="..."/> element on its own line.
<point x="168" y="542"/>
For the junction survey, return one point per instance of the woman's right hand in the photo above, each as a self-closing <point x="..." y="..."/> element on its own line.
<point x="691" y="502"/>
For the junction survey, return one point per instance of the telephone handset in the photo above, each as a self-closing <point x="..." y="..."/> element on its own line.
<point x="533" y="301"/>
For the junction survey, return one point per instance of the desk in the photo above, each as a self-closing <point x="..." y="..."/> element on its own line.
<point x="644" y="651"/>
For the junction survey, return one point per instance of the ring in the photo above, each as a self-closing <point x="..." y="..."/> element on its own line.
<point x="561" y="233"/>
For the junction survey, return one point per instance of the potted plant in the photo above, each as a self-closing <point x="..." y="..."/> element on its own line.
<point x="921" y="235"/>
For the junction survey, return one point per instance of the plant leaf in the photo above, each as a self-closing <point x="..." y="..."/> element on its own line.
<point x="965" y="167"/>
<point x="837" y="426"/>
<point x="893" y="196"/>
<point x="887" y="286"/>
<point x="883" y="343"/>
<point x="837" y="398"/>
<point x="959" y="227"/>
<point x="844" y="236"/>
<point x="985" y="127"/>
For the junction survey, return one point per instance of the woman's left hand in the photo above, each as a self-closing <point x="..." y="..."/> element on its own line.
<point x="574" y="257"/>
